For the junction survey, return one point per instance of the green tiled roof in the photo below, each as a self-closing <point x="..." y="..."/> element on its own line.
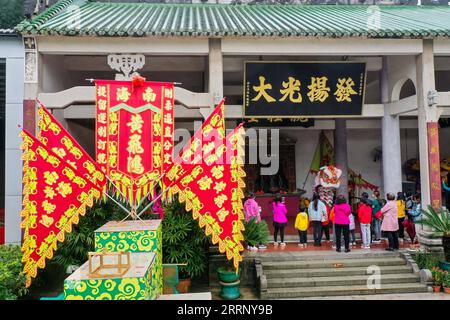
<point x="86" y="18"/>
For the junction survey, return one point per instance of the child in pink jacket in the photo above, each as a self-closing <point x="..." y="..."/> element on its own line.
<point x="253" y="210"/>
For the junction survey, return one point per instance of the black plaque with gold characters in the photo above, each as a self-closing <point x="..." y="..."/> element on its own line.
<point x="279" y="122"/>
<point x="303" y="89"/>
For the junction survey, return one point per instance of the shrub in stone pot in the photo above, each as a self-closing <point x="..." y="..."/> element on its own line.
<point x="229" y="279"/>
<point x="439" y="220"/>
<point x="184" y="242"/>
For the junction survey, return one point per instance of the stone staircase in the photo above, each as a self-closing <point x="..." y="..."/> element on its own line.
<point x="296" y="275"/>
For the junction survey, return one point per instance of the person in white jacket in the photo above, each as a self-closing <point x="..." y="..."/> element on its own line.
<point x="317" y="212"/>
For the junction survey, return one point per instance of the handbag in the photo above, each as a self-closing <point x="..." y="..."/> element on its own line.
<point x="378" y="214"/>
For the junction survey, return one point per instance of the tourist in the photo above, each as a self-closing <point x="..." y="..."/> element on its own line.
<point x="401" y="207"/>
<point x="253" y="210"/>
<point x="352" y="227"/>
<point x="365" y="199"/>
<point x="377" y="204"/>
<point x="302" y="224"/>
<point x="390" y="222"/>
<point x="334" y="227"/>
<point x="416" y="211"/>
<point x="326" y="224"/>
<point x="317" y="213"/>
<point x="365" y="218"/>
<point x="279" y="220"/>
<point x="157" y="206"/>
<point x="414" y="216"/>
<point x="342" y="213"/>
<point x="446" y="189"/>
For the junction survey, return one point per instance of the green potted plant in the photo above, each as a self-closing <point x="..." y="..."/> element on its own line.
<point x="229" y="279"/>
<point x="184" y="242"/>
<point x="439" y="220"/>
<point x="446" y="282"/>
<point x="12" y="279"/>
<point x="437" y="279"/>
<point x="256" y="233"/>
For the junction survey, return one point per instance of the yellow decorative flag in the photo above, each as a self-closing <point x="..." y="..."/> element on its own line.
<point x="213" y="190"/>
<point x="54" y="196"/>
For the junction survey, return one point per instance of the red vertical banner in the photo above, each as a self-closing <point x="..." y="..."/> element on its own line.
<point x="134" y="133"/>
<point x="434" y="164"/>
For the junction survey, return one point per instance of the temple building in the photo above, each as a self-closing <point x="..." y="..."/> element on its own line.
<point x="205" y="48"/>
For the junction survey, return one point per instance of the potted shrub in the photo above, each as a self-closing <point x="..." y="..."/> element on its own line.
<point x="12" y="279"/>
<point x="256" y="233"/>
<point x="437" y="279"/>
<point x="446" y="282"/>
<point x="440" y="222"/>
<point x="229" y="279"/>
<point x="184" y="242"/>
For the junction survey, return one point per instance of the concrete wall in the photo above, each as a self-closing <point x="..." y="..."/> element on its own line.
<point x="11" y="49"/>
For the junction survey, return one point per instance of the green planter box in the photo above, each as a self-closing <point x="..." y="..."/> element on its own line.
<point x="136" y="284"/>
<point x="134" y="236"/>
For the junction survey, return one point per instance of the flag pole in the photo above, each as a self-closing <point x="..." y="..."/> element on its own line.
<point x="153" y="201"/>
<point x="118" y="203"/>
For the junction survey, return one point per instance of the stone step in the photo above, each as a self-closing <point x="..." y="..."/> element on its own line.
<point x="430" y="234"/>
<point x="292" y="293"/>
<point x="326" y="255"/>
<point x="333" y="263"/>
<point x="330" y="272"/>
<point x="339" y="280"/>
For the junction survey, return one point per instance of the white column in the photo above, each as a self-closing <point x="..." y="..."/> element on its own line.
<point x="215" y="71"/>
<point x="390" y="135"/>
<point x="215" y="75"/>
<point x="426" y="113"/>
<point x="13" y="162"/>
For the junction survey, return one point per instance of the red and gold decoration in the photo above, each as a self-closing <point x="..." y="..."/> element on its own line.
<point x="54" y="196"/>
<point x="434" y="164"/>
<point x="213" y="188"/>
<point x="134" y="145"/>
<point x="207" y="145"/>
<point x="134" y="133"/>
<point x="57" y="139"/>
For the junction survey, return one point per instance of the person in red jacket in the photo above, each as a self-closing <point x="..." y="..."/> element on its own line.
<point x="365" y="218"/>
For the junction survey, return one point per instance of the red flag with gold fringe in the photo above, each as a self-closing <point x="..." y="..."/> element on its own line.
<point x="214" y="192"/>
<point x="134" y="133"/>
<point x="53" y="135"/>
<point x="54" y="196"/>
<point x="206" y="145"/>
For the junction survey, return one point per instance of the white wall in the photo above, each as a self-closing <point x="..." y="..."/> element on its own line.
<point x="11" y="48"/>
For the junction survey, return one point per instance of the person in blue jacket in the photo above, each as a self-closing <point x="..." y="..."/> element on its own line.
<point x="446" y="189"/>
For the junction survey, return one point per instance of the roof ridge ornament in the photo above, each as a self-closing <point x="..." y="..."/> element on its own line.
<point x="127" y="64"/>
